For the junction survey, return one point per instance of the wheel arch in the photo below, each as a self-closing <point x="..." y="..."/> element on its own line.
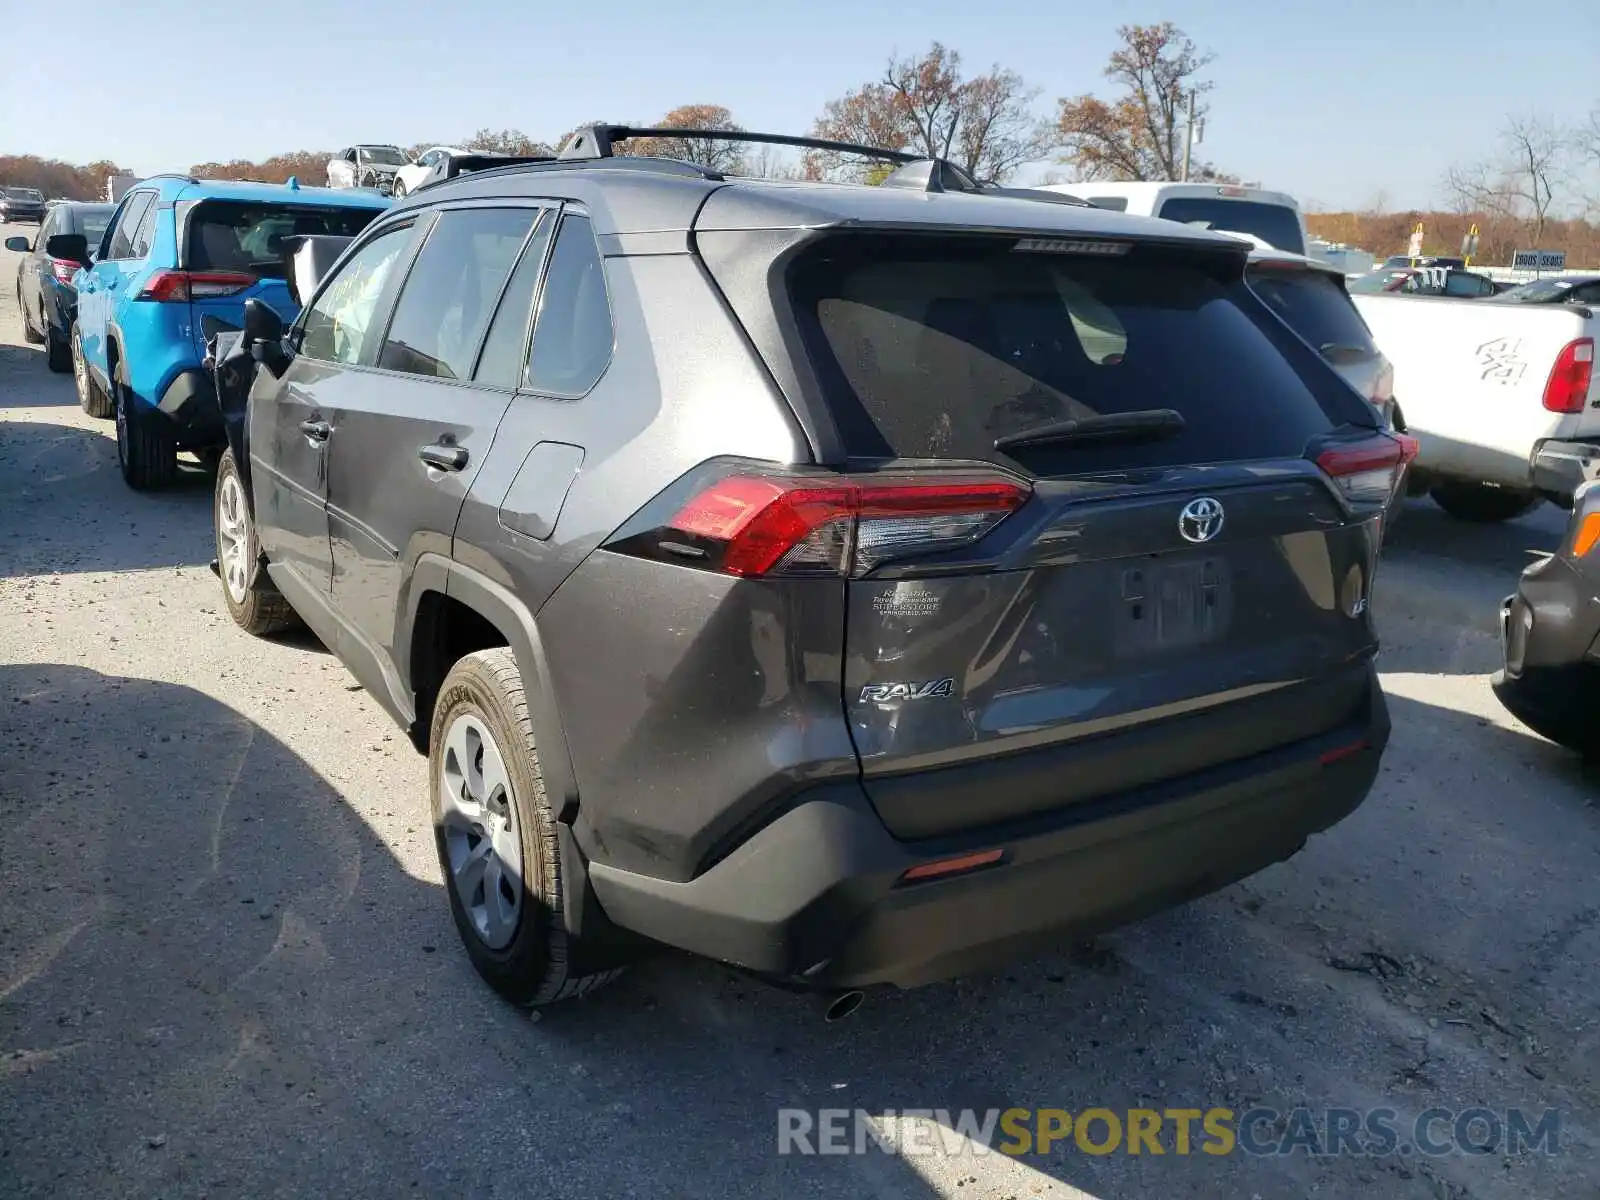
<point x="449" y="612"/>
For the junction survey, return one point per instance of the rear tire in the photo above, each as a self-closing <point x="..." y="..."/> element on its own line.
<point x="255" y="605"/>
<point x="1482" y="503"/>
<point x="496" y="835"/>
<point x="147" y="451"/>
<point x="90" y="398"/>
<point x="57" y="354"/>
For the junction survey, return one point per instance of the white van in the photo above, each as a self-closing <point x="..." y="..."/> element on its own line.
<point x="1271" y="216"/>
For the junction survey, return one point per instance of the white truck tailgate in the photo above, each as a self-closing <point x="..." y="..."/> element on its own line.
<point x="1470" y="377"/>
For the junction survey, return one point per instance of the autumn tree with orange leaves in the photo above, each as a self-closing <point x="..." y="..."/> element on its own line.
<point x="925" y="105"/>
<point x="1138" y="133"/>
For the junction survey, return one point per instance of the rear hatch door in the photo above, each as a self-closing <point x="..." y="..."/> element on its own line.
<point x="1159" y="605"/>
<point x="237" y="251"/>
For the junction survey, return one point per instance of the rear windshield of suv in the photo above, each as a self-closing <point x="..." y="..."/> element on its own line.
<point x="230" y="235"/>
<point x="934" y="347"/>
<point x="1316" y="307"/>
<point x="1274" y="224"/>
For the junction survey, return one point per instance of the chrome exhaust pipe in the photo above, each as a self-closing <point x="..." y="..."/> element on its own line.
<point x="836" y="1006"/>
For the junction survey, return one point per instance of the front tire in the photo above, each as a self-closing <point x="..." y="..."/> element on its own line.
<point x="29" y="334"/>
<point x="1482" y="503"/>
<point x="399" y="189"/>
<point x="496" y="835"/>
<point x="147" y="452"/>
<point x="255" y="605"/>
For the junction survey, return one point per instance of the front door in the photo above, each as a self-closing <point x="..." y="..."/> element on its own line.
<point x="410" y="437"/>
<point x="290" y="418"/>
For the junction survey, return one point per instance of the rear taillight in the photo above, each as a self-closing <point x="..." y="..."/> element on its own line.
<point x="194" y="285"/>
<point x="1369" y="471"/>
<point x="788" y="525"/>
<point x="63" y="269"/>
<point x="1567" y="389"/>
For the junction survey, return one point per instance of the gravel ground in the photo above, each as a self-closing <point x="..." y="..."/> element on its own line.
<point x="227" y="967"/>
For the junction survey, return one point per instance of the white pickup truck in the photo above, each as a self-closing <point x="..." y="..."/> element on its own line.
<point x="1503" y="399"/>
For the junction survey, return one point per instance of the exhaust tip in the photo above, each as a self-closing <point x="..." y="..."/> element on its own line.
<point x="842" y="1005"/>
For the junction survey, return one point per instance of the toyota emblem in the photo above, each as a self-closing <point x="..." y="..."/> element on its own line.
<point x="1201" y="519"/>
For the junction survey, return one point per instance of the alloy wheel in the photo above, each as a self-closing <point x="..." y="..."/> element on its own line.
<point x="233" y="536"/>
<point x="80" y="372"/>
<point x="482" y="840"/>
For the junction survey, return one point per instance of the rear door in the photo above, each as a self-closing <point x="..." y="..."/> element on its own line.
<point x="234" y="251"/>
<point x="411" y="432"/>
<point x="102" y="284"/>
<point x="1154" y="608"/>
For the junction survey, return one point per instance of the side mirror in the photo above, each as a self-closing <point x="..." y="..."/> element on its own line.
<point x="73" y="247"/>
<point x="263" y="332"/>
<point x="18" y="245"/>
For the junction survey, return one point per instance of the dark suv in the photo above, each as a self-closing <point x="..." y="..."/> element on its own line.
<point x="853" y="584"/>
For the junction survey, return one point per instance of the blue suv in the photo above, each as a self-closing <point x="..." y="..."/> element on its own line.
<point x="174" y="268"/>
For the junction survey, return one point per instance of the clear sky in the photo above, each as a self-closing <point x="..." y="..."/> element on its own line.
<point x="1337" y="103"/>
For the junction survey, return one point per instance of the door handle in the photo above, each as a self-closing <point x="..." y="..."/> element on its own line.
<point x="444" y="456"/>
<point x="111" y="284"/>
<point x="316" y="431"/>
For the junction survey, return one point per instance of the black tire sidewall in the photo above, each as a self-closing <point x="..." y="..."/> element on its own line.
<point x="521" y="971"/>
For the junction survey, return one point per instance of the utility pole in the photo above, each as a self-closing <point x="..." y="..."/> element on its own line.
<point x="1188" y="136"/>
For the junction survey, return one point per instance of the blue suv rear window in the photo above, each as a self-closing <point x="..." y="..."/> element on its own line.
<point x="232" y="235"/>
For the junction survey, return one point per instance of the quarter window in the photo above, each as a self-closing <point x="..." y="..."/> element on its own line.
<point x="573" y="336"/>
<point x="450" y="294"/>
<point x="338" y="320"/>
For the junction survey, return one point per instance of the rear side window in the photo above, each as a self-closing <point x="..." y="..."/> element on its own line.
<point x="450" y="294"/>
<point x="572" y="337"/>
<point x="144" y="237"/>
<point x="1315" y="307"/>
<point x="1272" y="223"/>
<point x="505" y="349"/>
<point x="934" y="348"/>
<point x="127" y="223"/>
<point x="229" y="235"/>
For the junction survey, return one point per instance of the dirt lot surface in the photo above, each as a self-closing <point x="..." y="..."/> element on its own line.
<point x="227" y="966"/>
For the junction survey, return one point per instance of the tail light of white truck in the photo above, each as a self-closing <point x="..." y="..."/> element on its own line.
<point x="1567" y="390"/>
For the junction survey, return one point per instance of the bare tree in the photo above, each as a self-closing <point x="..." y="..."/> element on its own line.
<point x="1139" y="133"/>
<point x="923" y="104"/>
<point x="506" y="141"/>
<point x="713" y="153"/>
<point x="1520" y="181"/>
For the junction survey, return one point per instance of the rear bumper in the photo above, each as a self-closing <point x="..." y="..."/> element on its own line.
<point x="1558" y="468"/>
<point x="1550" y="645"/>
<point x="190" y="403"/>
<point x="816" y="896"/>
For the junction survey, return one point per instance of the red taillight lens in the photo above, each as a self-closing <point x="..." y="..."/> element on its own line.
<point x="63" y="269"/>
<point x="1567" y="389"/>
<point x="783" y="525"/>
<point x="1368" y="471"/>
<point x="194" y="285"/>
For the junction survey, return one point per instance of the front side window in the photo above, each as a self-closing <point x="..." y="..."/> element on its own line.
<point x="573" y="334"/>
<point x="451" y="291"/>
<point x="337" y="322"/>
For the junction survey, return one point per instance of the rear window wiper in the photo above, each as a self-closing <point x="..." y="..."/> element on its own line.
<point x="1145" y="425"/>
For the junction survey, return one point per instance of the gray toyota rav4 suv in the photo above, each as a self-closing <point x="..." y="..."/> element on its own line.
<point x="854" y="584"/>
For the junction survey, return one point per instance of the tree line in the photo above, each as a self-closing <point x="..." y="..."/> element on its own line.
<point x="1528" y="192"/>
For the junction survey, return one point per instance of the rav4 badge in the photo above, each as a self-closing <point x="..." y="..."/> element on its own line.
<point x="932" y="689"/>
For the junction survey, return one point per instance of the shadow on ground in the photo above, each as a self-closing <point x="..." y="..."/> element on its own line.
<point x="26" y="382"/>
<point x="70" y="511"/>
<point x="207" y="952"/>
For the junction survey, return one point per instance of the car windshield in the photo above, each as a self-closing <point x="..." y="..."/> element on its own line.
<point x="1377" y="281"/>
<point x="1540" y="291"/>
<point x="386" y="156"/>
<point x="94" y="225"/>
<point x="1275" y="224"/>
<point x="227" y="235"/>
<point x="17" y="193"/>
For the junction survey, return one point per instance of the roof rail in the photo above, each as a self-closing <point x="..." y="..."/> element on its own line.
<point x="598" y="141"/>
<point x="183" y="175"/>
<point x="459" y="164"/>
